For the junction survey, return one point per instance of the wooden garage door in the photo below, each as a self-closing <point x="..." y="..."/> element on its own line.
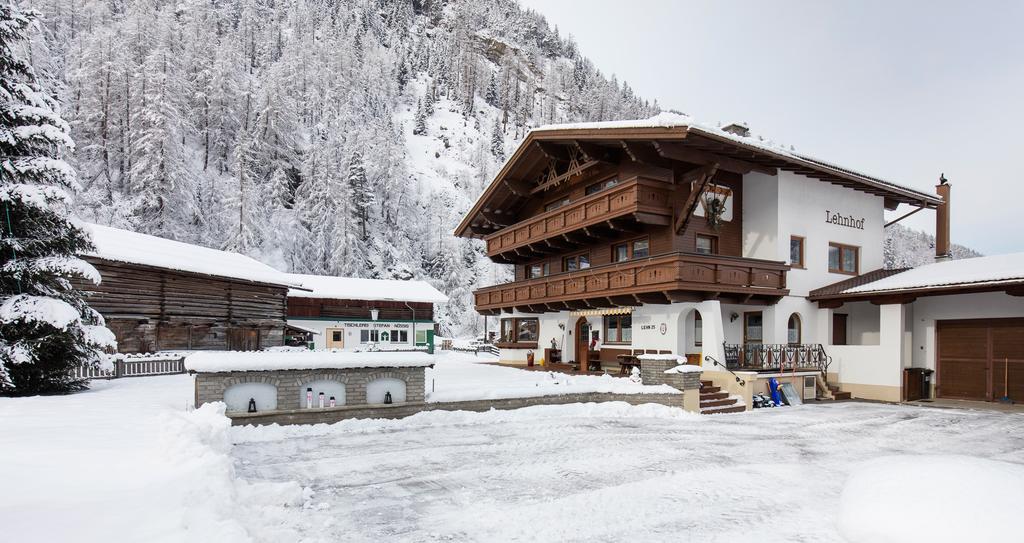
<point x="974" y="355"/>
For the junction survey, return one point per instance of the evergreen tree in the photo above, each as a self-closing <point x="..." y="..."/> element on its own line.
<point x="46" y="327"/>
<point x="420" y="129"/>
<point x="491" y="95"/>
<point x="498" y="142"/>
<point x="361" y="193"/>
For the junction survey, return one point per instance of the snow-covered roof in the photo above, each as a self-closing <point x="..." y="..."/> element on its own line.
<point x="134" y="248"/>
<point x="220" y="361"/>
<point x="351" y="288"/>
<point x="678" y="120"/>
<point x="983" y="270"/>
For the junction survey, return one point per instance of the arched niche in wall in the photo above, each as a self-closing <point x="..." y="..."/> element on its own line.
<point x="237" y="396"/>
<point x="329" y="387"/>
<point x="378" y="388"/>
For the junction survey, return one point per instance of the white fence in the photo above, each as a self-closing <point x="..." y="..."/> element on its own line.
<point x="135" y="366"/>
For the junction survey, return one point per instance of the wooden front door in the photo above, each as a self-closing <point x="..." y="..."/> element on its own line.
<point x="582" y="342"/>
<point x="335" y="338"/>
<point x="243" y="339"/>
<point x="980" y="359"/>
<point x="839" y="328"/>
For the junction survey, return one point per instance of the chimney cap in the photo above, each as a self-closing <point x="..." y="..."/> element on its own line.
<point x="738" y="127"/>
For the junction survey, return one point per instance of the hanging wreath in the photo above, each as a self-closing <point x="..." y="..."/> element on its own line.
<point x="715" y="206"/>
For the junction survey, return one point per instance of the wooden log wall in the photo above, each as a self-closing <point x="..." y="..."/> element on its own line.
<point x="151" y="309"/>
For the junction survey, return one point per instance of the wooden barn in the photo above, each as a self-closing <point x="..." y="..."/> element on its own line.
<point x="159" y="295"/>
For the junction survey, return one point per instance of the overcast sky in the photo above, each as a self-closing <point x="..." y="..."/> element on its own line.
<point x="901" y="90"/>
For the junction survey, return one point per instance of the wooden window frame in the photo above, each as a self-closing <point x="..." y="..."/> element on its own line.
<point x="562" y="201"/>
<point x="629" y="248"/>
<point x="841" y="246"/>
<point x="745" y="315"/>
<point x="714" y="243"/>
<point x="618" y="341"/>
<point x="803" y="252"/>
<point x="601" y="183"/>
<point x="515" y="343"/>
<point x="576" y="256"/>
<point x="545" y="269"/>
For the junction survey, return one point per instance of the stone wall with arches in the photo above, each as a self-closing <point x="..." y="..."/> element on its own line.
<point x="348" y="386"/>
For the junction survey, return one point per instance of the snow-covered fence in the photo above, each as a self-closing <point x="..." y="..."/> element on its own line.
<point x="135" y="366"/>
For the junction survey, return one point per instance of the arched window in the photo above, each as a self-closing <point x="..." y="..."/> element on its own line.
<point x="698" y="329"/>
<point x="793" y="329"/>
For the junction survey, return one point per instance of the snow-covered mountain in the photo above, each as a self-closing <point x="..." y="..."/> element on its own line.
<point x="320" y="136"/>
<point x="909" y="248"/>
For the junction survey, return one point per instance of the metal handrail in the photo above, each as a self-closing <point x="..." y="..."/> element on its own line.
<point x="714" y="361"/>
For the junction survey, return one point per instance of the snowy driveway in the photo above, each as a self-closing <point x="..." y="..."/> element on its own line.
<point x="606" y="472"/>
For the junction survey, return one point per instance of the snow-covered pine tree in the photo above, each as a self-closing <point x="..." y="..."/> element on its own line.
<point x="498" y="142"/>
<point x="46" y="327"/>
<point x="420" y="129"/>
<point x="362" y="194"/>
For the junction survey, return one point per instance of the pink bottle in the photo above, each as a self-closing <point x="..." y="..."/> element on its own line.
<point x="309" y="398"/>
<point x="321" y="400"/>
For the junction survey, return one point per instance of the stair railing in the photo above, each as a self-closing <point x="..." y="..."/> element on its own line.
<point x="714" y="361"/>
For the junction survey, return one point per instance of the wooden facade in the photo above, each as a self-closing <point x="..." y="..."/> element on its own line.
<point x="158" y="309"/>
<point x="592" y="194"/>
<point x="328" y="308"/>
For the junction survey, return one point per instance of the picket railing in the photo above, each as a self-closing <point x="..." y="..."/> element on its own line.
<point x="135" y="366"/>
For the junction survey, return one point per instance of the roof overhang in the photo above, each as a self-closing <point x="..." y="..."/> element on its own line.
<point x="1012" y="287"/>
<point x="681" y="147"/>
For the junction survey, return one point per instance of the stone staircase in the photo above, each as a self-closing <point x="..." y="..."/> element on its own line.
<point x="714" y="400"/>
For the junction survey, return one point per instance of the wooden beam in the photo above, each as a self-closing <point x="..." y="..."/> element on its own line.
<point x="1016" y="290"/>
<point x="651" y="218"/>
<point x="552" y="151"/>
<point x="498" y="218"/>
<point x="645" y="154"/>
<point x="677" y="151"/>
<point x="700" y="182"/>
<point x="592" y="152"/>
<point x="518" y="187"/>
<point x="558" y="180"/>
<point x="904" y="216"/>
<point x="894" y="299"/>
<point x="622" y="300"/>
<point x="652" y="298"/>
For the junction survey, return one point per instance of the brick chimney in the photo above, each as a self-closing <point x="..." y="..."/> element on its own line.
<point x="942" y="221"/>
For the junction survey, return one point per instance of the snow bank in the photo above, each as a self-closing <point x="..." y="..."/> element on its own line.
<point x="932" y="498"/>
<point x="353" y="288"/>
<point x="215" y="361"/>
<point x="134" y="248"/>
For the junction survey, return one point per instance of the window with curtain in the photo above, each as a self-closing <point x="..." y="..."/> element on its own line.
<point x="698" y="329"/>
<point x="618" y="328"/>
<point x="793" y="329"/>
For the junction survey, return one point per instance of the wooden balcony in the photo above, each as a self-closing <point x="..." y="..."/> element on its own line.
<point x="631" y="202"/>
<point x="673" y="277"/>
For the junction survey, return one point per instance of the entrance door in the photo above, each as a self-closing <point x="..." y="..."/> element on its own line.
<point x="335" y="338"/>
<point x="980" y="359"/>
<point x="582" y="342"/>
<point x="753" y="327"/>
<point x="839" y="328"/>
<point x="243" y="339"/>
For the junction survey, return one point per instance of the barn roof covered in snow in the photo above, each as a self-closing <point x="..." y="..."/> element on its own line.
<point x="218" y="361"/>
<point x="119" y="245"/>
<point x="980" y="274"/>
<point x="352" y="288"/>
<point x="662" y="139"/>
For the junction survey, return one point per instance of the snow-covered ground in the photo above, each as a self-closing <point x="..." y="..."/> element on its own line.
<point x="459" y="376"/>
<point x="127" y="461"/>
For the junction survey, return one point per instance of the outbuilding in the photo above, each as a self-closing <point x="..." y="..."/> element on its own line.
<point x="353" y="313"/>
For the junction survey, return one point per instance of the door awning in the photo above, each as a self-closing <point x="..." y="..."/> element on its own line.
<point x="604" y="311"/>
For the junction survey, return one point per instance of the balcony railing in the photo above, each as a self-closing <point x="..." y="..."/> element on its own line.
<point x="645" y="200"/>
<point x="628" y="283"/>
<point x="777" y="357"/>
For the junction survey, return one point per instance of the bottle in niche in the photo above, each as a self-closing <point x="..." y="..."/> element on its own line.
<point x="331" y="403"/>
<point x="309" y="398"/>
<point x="320" y="402"/>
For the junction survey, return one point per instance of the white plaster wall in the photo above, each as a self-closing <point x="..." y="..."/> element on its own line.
<point x="880" y="364"/>
<point x="926" y="311"/>
<point x="761" y="216"/>
<point x="352" y="333"/>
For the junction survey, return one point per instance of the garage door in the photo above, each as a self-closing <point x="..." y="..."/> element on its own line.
<point x="975" y="355"/>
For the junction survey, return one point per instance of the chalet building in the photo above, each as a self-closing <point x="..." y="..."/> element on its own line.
<point x="350" y="313"/>
<point x="664" y="235"/>
<point x="158" y="295"/>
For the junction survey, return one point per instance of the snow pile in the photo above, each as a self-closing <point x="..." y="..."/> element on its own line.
<point x="932" y="498"/>
<point x="353" y="288"/>
<point x="456" y="377"/>
<point x="974" y="271"/>
<point x="216" y="361"/>
<point x="653" y="356"/>
<point x="134" y="248"/>
<point x="685" y="368"/>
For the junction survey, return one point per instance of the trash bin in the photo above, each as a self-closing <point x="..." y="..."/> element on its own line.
<point x="916" y="384"/>
<point x="926" y="384"/>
